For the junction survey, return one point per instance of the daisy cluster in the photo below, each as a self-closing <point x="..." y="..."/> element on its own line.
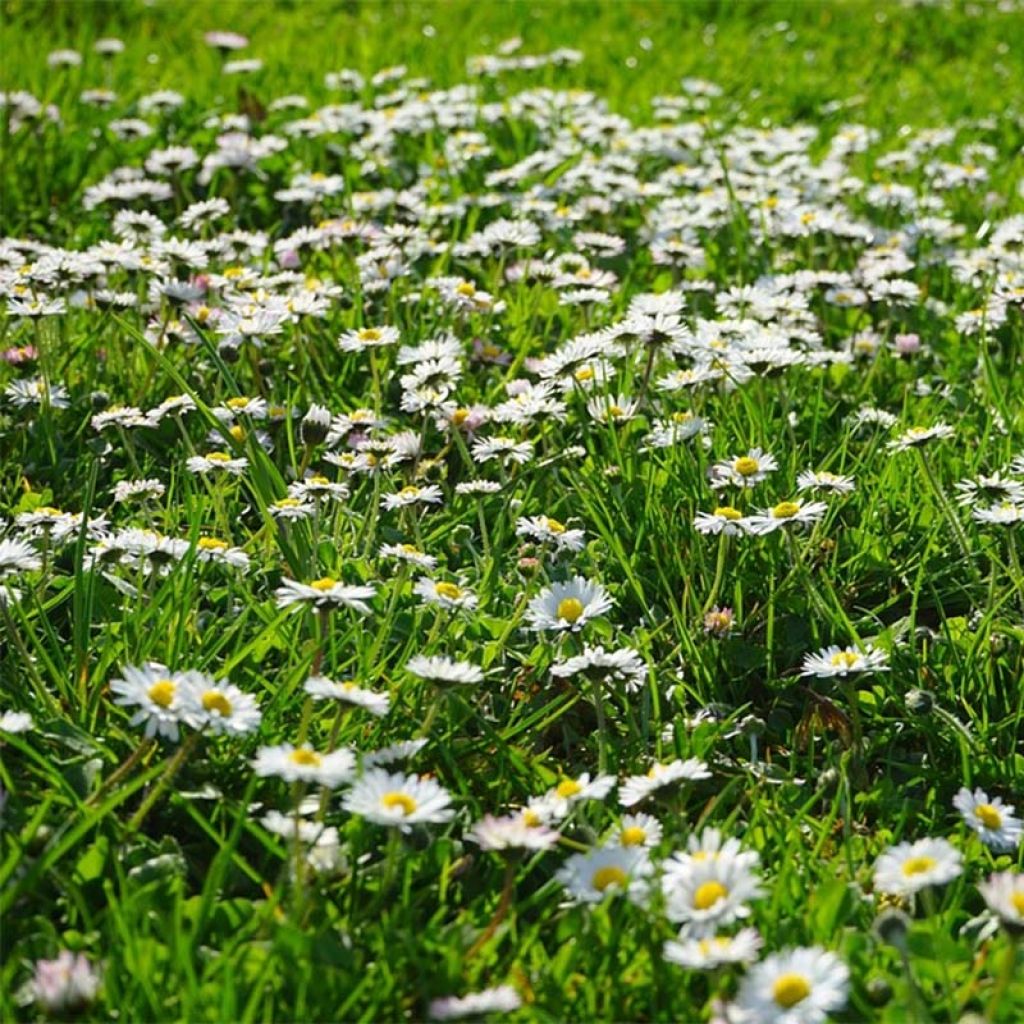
<point x="472" y="470"/>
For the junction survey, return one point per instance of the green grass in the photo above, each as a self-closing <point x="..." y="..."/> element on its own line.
<point x="153" y="862"/>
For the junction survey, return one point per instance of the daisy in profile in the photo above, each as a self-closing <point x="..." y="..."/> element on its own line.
<point x="324" y="593"/>
<point x="798" y="986"/>
<point x="362" y="338"/>
<point x="545" y="530"/>
<point x="444" y="593"/>
<point x="514" y="832"/>
<point x="991" y="819"/>
<point x="568" y="606"/>
<point x="502" y="999"/>
<point x="724" y="519"/>
<point x="591" y="877"/>
<point x="400" y="801"/>
<point x="716" y="951"/>
<point x="216" y="462"/>
<point x="844" y="661"/>
<point x="820" y="480"/>
<point x="743" y="470"/>
<point x="303" y="764"/>
<point x="917" y="437"/>
<point x="159" y="695"/>
<point x="412" y="495"/>
<point x="623" y="668"/>
<point x="443" y="671"/>
<point x="321" y="688"/>
<point x="221" y="708"/>
<point x="709" y="845"/>
<point x="639" y="787"/>
<point x="910" y="867"/>
<point x="408" y="553"/>
<point x="709" y="894"/>
<point x="1004" y="894"/>
<point x="785" y="515"/>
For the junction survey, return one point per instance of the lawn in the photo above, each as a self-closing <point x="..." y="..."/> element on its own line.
<point x="511" y="509"/>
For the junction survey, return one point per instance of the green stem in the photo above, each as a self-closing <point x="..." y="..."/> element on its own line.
<point x="174" y="764"/>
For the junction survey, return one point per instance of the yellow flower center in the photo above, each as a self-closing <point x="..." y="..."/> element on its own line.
<point x="790" y="989"/>
<point x="846" y="659"/>
<point x="568" y="788"/>
<point x="604" y="877"/>
<point x="237" y="432"/>
<point x="682" y="417"/>
<point x="287" y="503"/>
<point x="1017" y="899"/>
<point x="785" y="510"/>
<point x="584" y="373"/>
<point x="918" y="866"/>
<point x="708" y="894"/>
<point x="162" y="692"/>
<point x="633" y="836"/>
<point x="448" y="590"/>
<point x="570" y="609"/>
<point x="307" y="758"/>
<point x="466" y="288"/>
<point x="49" y="510"/>
<point x="460" y="416"/>
<point x="616" y="411"/>
<point x="409" y="492"/>
<point x="531" y="819"/>
<point x="212" y="544"/>
<point x="728" y="512"/>
<point x="988" y="816"/>
<point x="553" y="525"/>
<point x="402" y="800"/>
<point x="318" y="481"/>
<point x="214" y="700"/>
<point x="218" y="457"/>
<point x="746" y="466"/>
<point x="324" y="583"/>
<point x="369" y="334"/>
<point x="237" y="403"/>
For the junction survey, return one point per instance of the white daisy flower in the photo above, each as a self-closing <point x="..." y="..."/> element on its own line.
<point x="799" y="986"/>
<point x="709" y="894"/>
<point x="639" y="787"/>
<point x="709" y="845"/>
<point x="444" y="593"/>
<point x="324" y="593"/>
<point x="623" y="668"/>
<point x="786" y="514"/>
<point x="820" y="480"/>
<point x="18" y="556"/>
<point x="568" y="606"/>
<point x="358" y="339"/>
<point x="160" y="695"/>
<point x="724" y="519"/>
<point x="590" y="877"/>
<point x="716" y="951"/>
<point x="401" y="751"/>
<point x="13" y="722"/>
<point x="1004" y="894"/>
<point x="555" y="803"/>
<point x="412" y="495"/>
<point x="546" y="530"/>
<point x="216" y="462"/>
<point x="398" y="800"/>
<point x="637" y="830"/>
<point x="444" y="671"/>
<point x="321" y="688"/>
<point x="844" y="661"/>
<point x="993" y="820"/>
<point x="502" y="999"/>
<point x="408" y="553"/>
<point x="910" y="867"/>
<point x="303" y="764"/>
<point x="743" y="470"/>
<point x="221" y="707"/>
<point x="514" y="832"/>
<point x="916" y="437"/>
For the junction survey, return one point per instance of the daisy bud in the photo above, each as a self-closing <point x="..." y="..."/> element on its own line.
<point x="920" y="703"/>
<point x="879" y="992"/>
<point x="99" y="400"/>
<point x="315" y="425"/>
<point x="891" y="926"/>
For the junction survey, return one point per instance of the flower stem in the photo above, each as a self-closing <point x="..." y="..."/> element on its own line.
<point x="174" y="764"/>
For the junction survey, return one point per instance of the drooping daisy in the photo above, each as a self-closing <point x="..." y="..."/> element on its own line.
<point x="568" y="606"/>
<point x="1004" y="894"/>
<point x="707" y="954"/>
<point x="324" y="593"/>
<point x="400" y="801"/>
<point x="993" y="820"/>
<point x="639" y="787"/>
<point x="591" y="877"/>
<point x="798" y="986"/>
<point x="844" y="661"/>
<point x="909" y="867"/>
<point x="623" y="668"/>
<point x="221" y="707"/>
<point x="707" y="895"/>
<point x="444" y="593"/>
<point x="160" y="696"/>
<point x="321" y="688"/>
<point x="743" y="470"/>
<point x="786" y="514"/>
<point x="303" y="764"/>
<point x="443" y="671"/>
<point x="514" y="832"/>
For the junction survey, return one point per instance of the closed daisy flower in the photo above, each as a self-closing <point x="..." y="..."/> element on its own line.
<point x="707" y="954"/>
<point x="443" y="671"/>
<point x="321" y="688"/>
<point x="991" y="819"/>
<point x="303" y="764"/>
<point x="843" y="661"/>
<point x="799" y="986"/>
<point x="909" y="867"/>
<point x="590" y="877"/>
<point x="400" y="801"/>
<point x="568" y="606"/>
<point x="324" y="593"/>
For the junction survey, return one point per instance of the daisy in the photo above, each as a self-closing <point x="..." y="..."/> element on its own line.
<point x="321" y="688"/>
<point x="724" y="519"/>
<point x="221" y="707"/>
<point x="445" y="594"/>
<point x="916" y="437"/>
<point x="786" y="513"/>
<point x="160" y="695"/>
<point x="991" y="819"/>
<point x="216" y="462"/>
<point x="412" y="495"/>
<point x="707" y="954"/>
<point x="514" y="832"/>
<point x="798" y="986"/>
<point x="844" y="661"/>
<point x="637" y="830"/>
<point x="506" y="449"/>
<point x="64" y="987"/>
<point x="443" y="671"/>
<point x="502" y="999"/>
<point x="590" y="877"/>
<point x="709" y="894"/>
<point x="398" y="800"/>
<point x="324" y="593"/>
<point x="622" y="668"/>
<point x="546" y="530"/>
<point x="13" y="722"/>
<point x="303" y="764"/>
<point x="743" y="470"/>
<point x="358" y="339"/>
<point x="909" y="867"/>
<point x="18" y="556"/>
<point x="408" y="553"/>
<point x="557" y="801"/>
<point x="1004" y="894"/>
<point x="819" y="480"/>
<point x="709" y="845"/>
<point x="568" y="606"/>
<point x="639" y="787"/>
